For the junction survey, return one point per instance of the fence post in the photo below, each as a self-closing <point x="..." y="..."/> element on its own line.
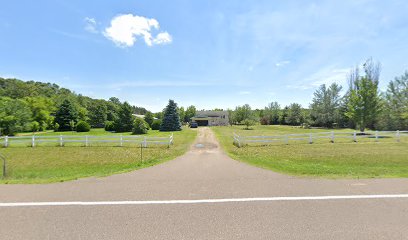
<point x="33" y="141"/>
<point x="310" y="139"/>
<point x="376" y="135"/>
<point x="239" y="141"/>
<point x="332" y="136"/>
<point x="121" y="140"/>
<point x="6" y="141"/>
<point x="168" y="146"/>
<point x="61" y="141"/>
<point x="86" y="141"/>
<point x="355" y="136"/>
<point x="398" y="136"/>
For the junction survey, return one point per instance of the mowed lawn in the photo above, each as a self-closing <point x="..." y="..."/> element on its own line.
<point x="343" y="159"/>
<point x="47" y="163"/>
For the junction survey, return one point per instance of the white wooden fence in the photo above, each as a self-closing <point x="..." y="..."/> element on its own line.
<point x="85" y="140"/>
<point x="240" y="141"/>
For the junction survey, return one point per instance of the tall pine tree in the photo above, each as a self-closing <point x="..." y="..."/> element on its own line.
<point x="171" y="118"/>
<point x="65" y="115"/>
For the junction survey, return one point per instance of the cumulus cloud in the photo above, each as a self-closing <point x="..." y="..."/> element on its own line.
<point x="126" y="29"/>
<point x="163" y="38"/>
<point x="90" y="25"/>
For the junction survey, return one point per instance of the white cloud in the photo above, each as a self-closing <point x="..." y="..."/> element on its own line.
<point x="163" y="38"/>
<point x="90" y="25"/>
<point x="126" y="28"/>
<point x="282" y="63"/>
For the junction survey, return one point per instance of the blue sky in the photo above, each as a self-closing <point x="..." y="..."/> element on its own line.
<point x="206" y="53"/>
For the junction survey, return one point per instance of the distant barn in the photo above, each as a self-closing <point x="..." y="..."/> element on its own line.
<point x="211" y="118"/>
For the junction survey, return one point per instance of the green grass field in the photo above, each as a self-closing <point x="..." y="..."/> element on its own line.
<point x="47" y="163"/>
<point x="343" y="159"/>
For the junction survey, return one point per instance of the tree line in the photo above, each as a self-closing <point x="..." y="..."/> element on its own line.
<point x="37" y="106"/>
<point x="362" y="105"/>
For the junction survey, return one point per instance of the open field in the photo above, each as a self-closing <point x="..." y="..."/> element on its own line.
<point x="365" y="159"/>
<point x="49" y="163"/>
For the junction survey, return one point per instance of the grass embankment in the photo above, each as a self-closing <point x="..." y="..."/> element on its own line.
<point x="343" y="159"/>
<point x="49" y="163"/>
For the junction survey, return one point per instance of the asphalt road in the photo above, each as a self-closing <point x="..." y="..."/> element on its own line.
<point x="204" y="173"/>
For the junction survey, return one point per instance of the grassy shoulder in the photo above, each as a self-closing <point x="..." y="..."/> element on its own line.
<point x="46" y="164"/>
<point x="343" y="159"/>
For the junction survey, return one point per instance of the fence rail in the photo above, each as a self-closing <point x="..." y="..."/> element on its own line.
<point x="86" y="140"/>
<point x="332" y="136"/>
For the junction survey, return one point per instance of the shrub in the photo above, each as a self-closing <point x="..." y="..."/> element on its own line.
<point x="248" y="122"/>
<point x="83" y="126"/>
<point x="35" y="126"/>
<point x="42" y="126"/>
<point x="156" y="124"/>
<point x="140" y="126"/>
<point x="264" y="121"/>
<point x="109" y="126"/>
<point x="56" y="127"/>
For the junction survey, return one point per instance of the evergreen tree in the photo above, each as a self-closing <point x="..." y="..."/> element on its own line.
<point x="395" y="112"/>
<point x="171" y="118"/>
<point x="65" y="114"/>
<point x="97" y="113"/>
<point x="124" y="122"/>
<point x="325" y="108"/>
<point x="295" y="116"/>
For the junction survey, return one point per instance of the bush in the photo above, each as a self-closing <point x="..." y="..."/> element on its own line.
<point x="156" y="124"/>
<point x="264" y="121"/>
<point x="35" y="126"/>
<point x="56" y="127"/>
<point x="109" y="126"/>
<point x="83" y="126"/>
<point x="140" y="126"/>
<point x="248" y="122"/>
